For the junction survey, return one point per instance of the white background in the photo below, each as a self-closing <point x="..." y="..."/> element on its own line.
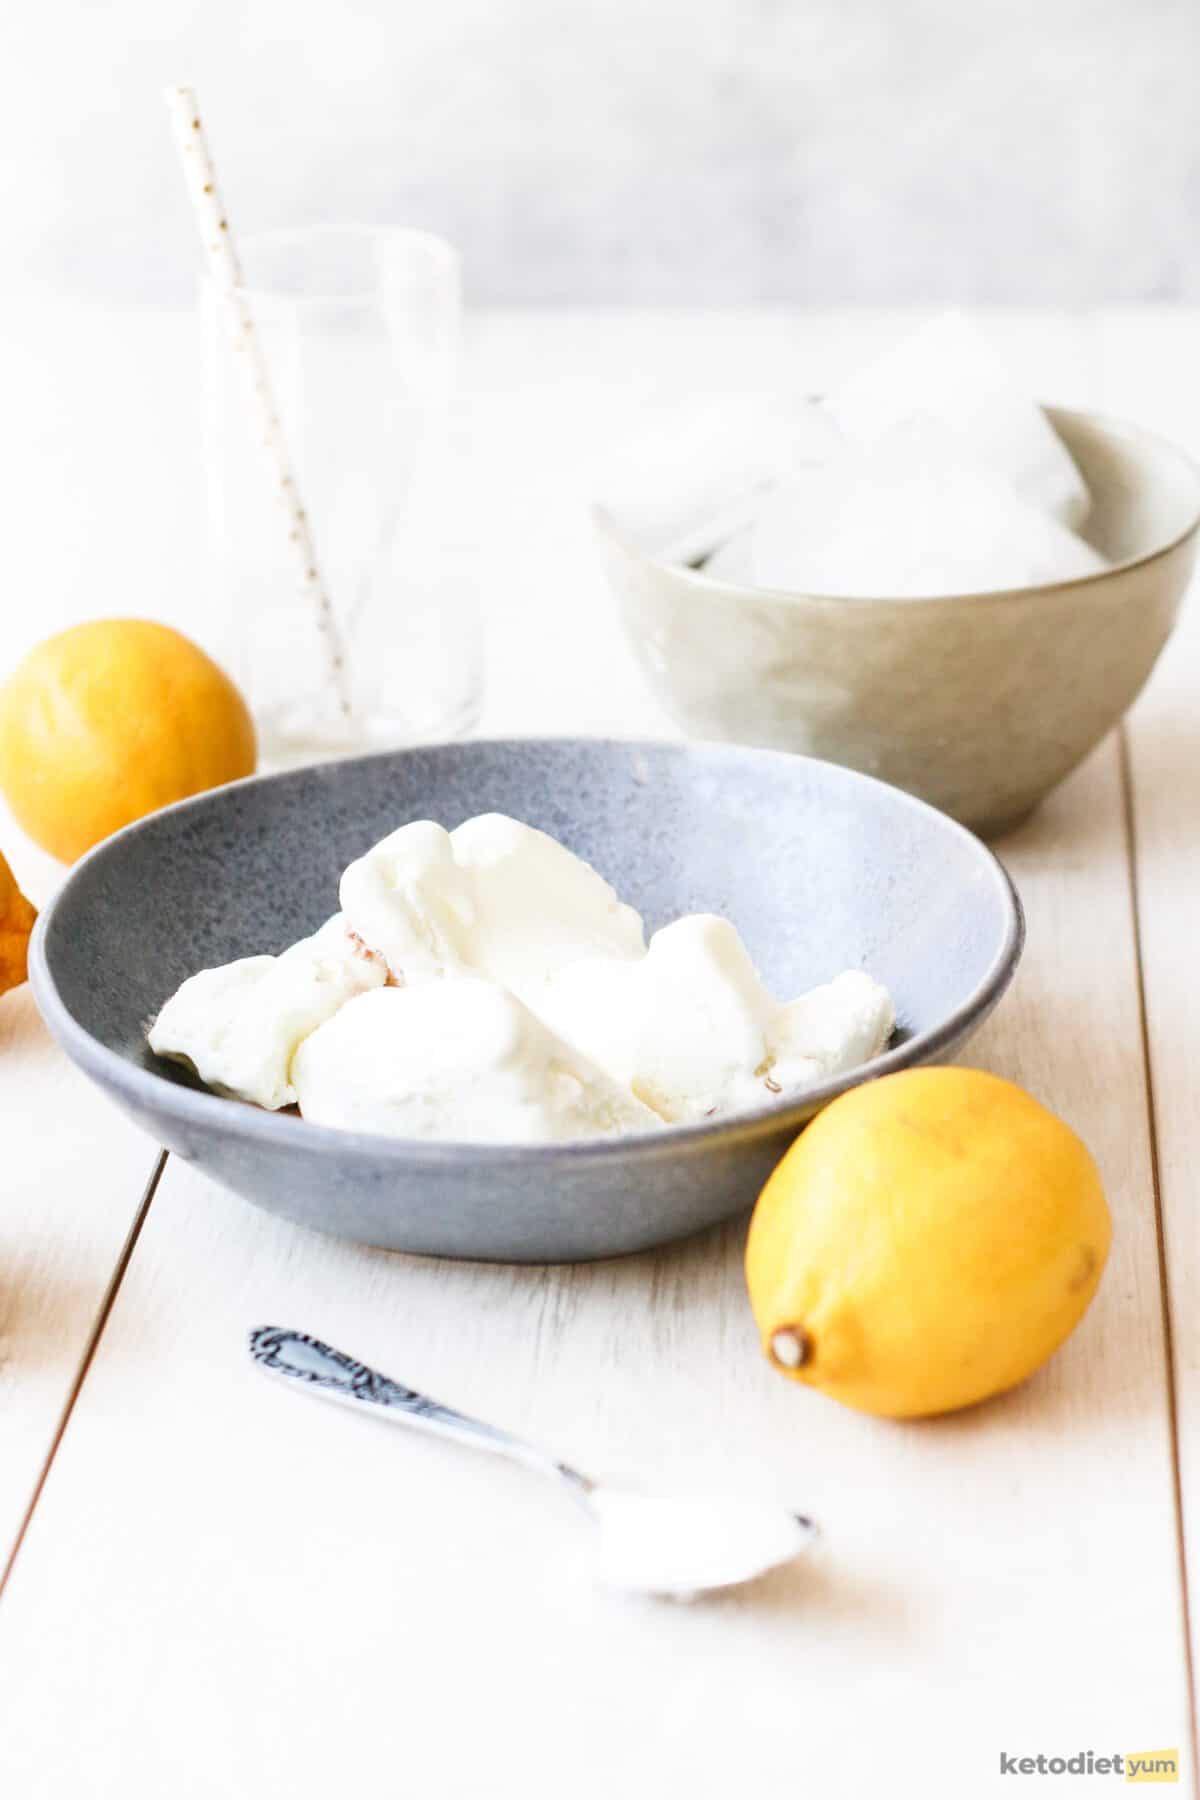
<point x="691" y="151"/>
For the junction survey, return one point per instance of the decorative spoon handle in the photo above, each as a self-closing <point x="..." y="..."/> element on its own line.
<point x="332" y="1375"/>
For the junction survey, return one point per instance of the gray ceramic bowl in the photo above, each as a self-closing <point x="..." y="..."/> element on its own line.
<point x="979" y="703"/>
<point x="820" y="868"/>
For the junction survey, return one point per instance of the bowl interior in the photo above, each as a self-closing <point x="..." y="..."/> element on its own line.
<point x="821" y="869"/>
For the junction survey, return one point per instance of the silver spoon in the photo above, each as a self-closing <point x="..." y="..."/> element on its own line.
<point x="656" y="1544"/>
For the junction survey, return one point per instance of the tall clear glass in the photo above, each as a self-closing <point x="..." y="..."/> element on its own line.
<point x="360" y="327"/>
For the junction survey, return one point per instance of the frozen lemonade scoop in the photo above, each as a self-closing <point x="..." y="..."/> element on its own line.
<point x="456" y="1059"/>
<point x="493" y="898"/>
<point x="487" y="984"/>
<point x="238" y="1026"/>
<point x="693" y="1031"/>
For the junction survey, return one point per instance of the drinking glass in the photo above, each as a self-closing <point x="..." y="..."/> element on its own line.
<point x="360" y="329"/>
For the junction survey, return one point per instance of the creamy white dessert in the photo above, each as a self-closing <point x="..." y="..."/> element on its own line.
<point x="408" y="899"/>
<point x="485" y="984"/>
<point x="239" y="1025"/>
<point x="461" y="1059"/>
<point x="493" y="898"/>
<point x="692" y="1030"/>
<point x="830" y="1030"/>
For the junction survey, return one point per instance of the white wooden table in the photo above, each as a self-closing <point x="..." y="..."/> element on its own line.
<point x="217" y="1590"/>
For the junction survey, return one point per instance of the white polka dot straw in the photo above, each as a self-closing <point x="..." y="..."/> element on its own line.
<point x="221" y="254"/>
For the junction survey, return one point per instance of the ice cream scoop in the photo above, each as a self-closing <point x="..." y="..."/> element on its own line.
<point x="459" y="1059"/>
<point x="693" y="1031"/>
<point x="495" y="898"/>
<point x="686" y="1028"/>
<point x="239" y="1025"/>
<point x="832" y="1028"/>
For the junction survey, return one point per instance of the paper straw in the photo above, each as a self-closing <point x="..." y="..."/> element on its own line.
<point x="223" y="266"/>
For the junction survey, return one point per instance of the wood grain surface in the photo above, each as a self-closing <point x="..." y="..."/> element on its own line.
<point x="226" y="1590"/>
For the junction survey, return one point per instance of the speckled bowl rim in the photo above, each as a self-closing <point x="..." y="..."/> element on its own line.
<point x="799" y="597"/>
<point x="247" y="1123"/>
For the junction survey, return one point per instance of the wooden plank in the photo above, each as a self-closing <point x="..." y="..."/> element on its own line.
<point x="1151" y="374"/>
<point x="93" y="400"/>
<point x="229" y="1590"/>
<point x="72" y="1171"/>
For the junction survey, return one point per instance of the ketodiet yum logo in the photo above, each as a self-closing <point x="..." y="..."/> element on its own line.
<point x="1126" y="1765"/>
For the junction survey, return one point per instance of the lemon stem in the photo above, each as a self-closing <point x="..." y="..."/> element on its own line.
<point x="789" y="1347"/>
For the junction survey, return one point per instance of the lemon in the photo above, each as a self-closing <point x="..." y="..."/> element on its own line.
<point x="16" y="922"/>
<point x="109" y="721"/>
<point x="929" y="1240"/>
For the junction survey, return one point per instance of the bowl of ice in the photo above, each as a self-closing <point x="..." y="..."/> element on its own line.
<point x="536" y="1000"/>
<point x="926" y="576"/>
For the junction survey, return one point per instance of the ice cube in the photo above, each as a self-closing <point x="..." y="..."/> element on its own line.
<point x="734" y="560"/>
<point x="905" y="519"/>
<point x="947" y="376"/>
<point x="687" y="486"/>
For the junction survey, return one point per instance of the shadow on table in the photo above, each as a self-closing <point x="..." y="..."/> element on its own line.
<point x="825" y="1592"/>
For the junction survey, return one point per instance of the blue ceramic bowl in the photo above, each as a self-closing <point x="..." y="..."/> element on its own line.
<point x="820" y="868"/>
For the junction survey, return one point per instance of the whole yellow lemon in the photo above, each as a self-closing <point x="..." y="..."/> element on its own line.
<point x="111" y="720"/>
<point x="929" y="1240"/>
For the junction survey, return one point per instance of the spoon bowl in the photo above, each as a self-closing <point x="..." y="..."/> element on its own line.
<point x="681" y="1545"/>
